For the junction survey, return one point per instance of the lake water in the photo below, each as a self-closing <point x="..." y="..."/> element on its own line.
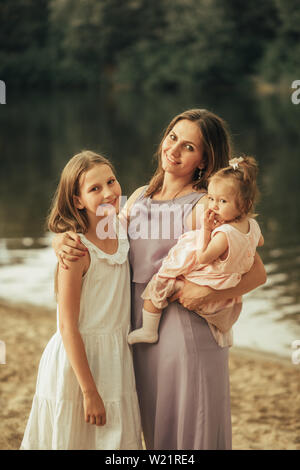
<point x="40" y="131"/>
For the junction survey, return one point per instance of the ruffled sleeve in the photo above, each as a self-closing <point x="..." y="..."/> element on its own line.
<point x="120" y="256"/>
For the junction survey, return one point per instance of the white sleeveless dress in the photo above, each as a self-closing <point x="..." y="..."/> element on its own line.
<point x="56" y="419"/>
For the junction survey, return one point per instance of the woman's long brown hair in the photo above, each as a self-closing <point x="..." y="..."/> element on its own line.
<point x="216" y="148"/>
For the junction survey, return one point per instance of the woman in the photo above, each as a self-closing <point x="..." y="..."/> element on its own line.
<point x="183" y="380"/>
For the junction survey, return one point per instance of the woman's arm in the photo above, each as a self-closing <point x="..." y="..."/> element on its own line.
<point x="193" y="297"/>
<point x="68" y="245"/>
<point x="69" y="291"/>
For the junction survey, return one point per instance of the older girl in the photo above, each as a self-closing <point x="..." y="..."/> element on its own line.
<point x="85" y="396"/>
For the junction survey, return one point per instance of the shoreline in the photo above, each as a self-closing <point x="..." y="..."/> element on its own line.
<point x="265" y="388"/>
<point x="259" y="355"/>
<point x="26" y="307"/>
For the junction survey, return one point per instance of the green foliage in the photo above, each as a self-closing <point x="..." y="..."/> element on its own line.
<point x="204" y="43"/>
<point x="24" y="48"/>
<point x="147" y="44"/>
<point x="188" y="50"/>
<point x="281" y="61"/>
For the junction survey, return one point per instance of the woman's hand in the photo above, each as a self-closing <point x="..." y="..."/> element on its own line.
<point x="94" y="411"/>
<point x="68" y="247"/>
<point x="193" y="296"/>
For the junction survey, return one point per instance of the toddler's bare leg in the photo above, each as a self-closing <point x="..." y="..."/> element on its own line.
<point x="150" y="307"/>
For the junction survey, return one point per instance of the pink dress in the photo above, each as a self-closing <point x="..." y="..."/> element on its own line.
<point x="221" y="274"/>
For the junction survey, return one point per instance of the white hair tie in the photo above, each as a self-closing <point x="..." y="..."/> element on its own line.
<point x="234" y="162"/>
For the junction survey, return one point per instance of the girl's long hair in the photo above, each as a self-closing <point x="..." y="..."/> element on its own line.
<point x="216" y="148"/>
<point x="64" y="215"/>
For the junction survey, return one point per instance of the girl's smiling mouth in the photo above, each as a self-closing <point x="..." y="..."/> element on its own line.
<point x="109" y="203"/>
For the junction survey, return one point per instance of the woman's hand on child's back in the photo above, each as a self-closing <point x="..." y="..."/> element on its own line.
<point x="94" y="411"/>
<point x="68" y="247"/>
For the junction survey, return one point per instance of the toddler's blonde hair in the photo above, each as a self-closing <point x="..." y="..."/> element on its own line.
<point x="242" y="172"/>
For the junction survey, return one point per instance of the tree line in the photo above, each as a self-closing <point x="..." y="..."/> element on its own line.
<point x="148" y="44"/>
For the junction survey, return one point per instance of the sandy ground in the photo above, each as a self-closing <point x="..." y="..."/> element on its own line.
<point x="265" y="391"/>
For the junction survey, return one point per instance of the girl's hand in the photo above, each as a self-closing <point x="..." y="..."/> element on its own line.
<point x="68" y="247"/>
<point x="193" y="296"/>
<point x="94" y="411"/>
<point x="210" y="221"/>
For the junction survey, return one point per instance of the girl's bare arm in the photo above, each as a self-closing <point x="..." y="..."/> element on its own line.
<point x="69" y="290"/>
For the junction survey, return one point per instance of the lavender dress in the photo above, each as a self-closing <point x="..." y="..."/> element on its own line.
<point x="182" y="380"/>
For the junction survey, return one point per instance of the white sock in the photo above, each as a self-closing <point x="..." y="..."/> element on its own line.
<point x="149" y="331"/>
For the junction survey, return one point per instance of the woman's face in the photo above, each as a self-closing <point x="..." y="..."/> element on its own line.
<point x="182" y="149"/>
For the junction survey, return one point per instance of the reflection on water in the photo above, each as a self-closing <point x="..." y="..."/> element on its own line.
<point x="39" y="133"/>
<point x="27" y="271"/>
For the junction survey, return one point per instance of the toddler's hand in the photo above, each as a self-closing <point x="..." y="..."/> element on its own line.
<point x="94" y="411"/>
<point x="210" y="220"/>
